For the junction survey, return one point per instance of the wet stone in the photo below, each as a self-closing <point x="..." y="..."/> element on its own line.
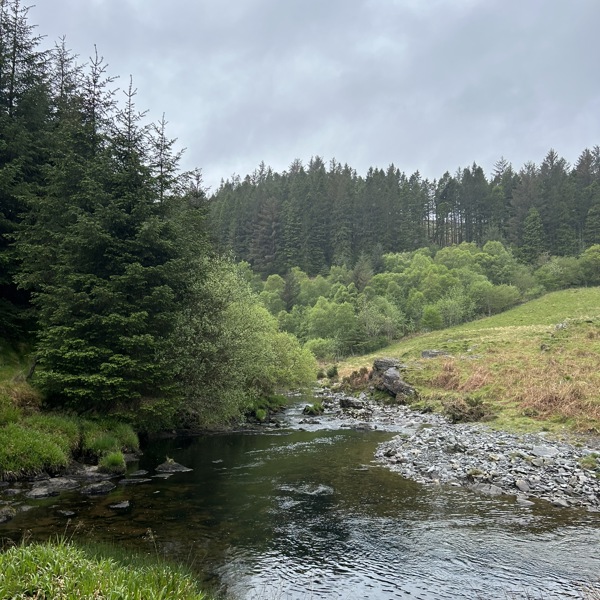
<point x="99" y="488"/>
<point x="134" y="481"/>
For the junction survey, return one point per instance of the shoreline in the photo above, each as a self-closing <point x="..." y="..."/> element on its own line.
<point x="431" y="450"/>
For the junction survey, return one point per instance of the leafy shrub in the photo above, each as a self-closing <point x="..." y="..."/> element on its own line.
<point x="261" y="414"/>
<point x="322" y="348"/>
<point x="113" y="462"/>
<point x="26" y="451"/>
<point x="332" y="372"/>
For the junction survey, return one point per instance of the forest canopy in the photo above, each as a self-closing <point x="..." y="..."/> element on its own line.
<point x="315" y="216"/>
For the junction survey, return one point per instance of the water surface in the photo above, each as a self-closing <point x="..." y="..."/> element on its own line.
<point x="306" y="514"/>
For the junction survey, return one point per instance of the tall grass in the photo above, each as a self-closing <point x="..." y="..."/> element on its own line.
<point x="62" y="571"/>
<point x="26" y="451"/>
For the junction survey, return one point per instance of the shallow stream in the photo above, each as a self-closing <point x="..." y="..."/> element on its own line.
<point x="295" y="514"/>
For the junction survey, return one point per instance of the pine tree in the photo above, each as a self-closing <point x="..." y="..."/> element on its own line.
<point x="533" y="237"/>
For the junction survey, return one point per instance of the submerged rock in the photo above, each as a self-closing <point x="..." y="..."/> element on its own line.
<point x="99" y="488"/>
<point x="7" y="513"/>
<point x="170" y="466"/>
<point x="134" y="480"/>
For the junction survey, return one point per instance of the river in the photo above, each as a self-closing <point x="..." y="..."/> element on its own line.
<point x="294" y="514"/>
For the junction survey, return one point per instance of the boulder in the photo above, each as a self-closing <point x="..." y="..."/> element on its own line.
<point x="391" y="382"/>
<point x="487" y="488"/>
<point x="350" y="402"/>
<point x="383" y="364"/>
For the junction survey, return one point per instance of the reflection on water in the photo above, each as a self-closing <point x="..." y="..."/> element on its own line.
<point x="308" y="515"/>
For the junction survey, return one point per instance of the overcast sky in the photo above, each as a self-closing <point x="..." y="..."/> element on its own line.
<point x="428" y="85"/>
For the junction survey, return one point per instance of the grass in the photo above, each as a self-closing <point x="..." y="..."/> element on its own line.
<point x="63" y="571"/>
<point x="32" y="441"/>
<point x="25" y="451"/>
<point x="533" y="367"/>
<point x="113" y="462"/>
<point x="100" y="437"/>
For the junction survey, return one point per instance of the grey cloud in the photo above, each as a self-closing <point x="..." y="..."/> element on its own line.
<point x="426" y="85"/>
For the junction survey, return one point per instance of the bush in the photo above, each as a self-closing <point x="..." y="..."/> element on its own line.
<point x="322" y="348"/>
<point x="460" y="410"/>
<point x="332" y="372"/>
<point x="261" y="414"/>
<point x="113" y="462"/>
<point x="28" y="451"/>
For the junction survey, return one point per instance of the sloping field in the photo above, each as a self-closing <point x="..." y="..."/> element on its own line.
<point x="534" y="367"/>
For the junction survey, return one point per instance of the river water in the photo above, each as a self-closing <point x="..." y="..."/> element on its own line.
<point x="293" y="514"/>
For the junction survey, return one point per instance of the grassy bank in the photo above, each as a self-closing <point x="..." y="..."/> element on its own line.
<point x="33" y="441"/>
<point x="62" y="571"/>
<point x="533" y="367"/>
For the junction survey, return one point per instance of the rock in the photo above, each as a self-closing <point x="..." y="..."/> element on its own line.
<point x="383" y="364"/>
<point x="7" y="513"/>
<point x="170" y="466"/>
<point x="560" y="502"/>
<point x="487" y="488"/>
<point x="433" y="353"/>
<point x="66" y="513"/>
<point x="90" y="473"/>
<point x="524" y="501"/>
<point x="51" y="487"/>
<point x="39" y="492"/>
<point x="120" y="505"/>
<point x="134" y="480"/>
<point x="99" y="488"/>
<point x="392" y="382"/>
<point x="545" y="451"/>
<point x="522" y="485"/>
<point x="139" y="473"/>
<point x="61" y="484"/>
<point x="350" y="402"/>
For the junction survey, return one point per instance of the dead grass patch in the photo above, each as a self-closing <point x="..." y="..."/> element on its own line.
<point x="480" y="378"/>
<point x="448" y="378"/>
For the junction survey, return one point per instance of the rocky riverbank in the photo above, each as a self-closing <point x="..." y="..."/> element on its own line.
<point x="432" y="450"/>
<point x="87" y="479"/>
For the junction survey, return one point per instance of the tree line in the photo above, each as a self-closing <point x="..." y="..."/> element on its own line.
<point x="315" y="216"/>
<point x="104" y="255"/>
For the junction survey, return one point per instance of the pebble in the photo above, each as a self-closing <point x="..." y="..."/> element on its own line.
<point x="431" y="450"/>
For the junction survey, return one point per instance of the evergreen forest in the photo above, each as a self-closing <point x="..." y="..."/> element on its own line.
<point x="106" y="269"/>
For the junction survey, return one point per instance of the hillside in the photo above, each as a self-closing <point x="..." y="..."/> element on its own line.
<point x="532" y="367"/>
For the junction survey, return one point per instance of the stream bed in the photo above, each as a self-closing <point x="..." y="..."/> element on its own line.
<point x="293" y="513"/>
